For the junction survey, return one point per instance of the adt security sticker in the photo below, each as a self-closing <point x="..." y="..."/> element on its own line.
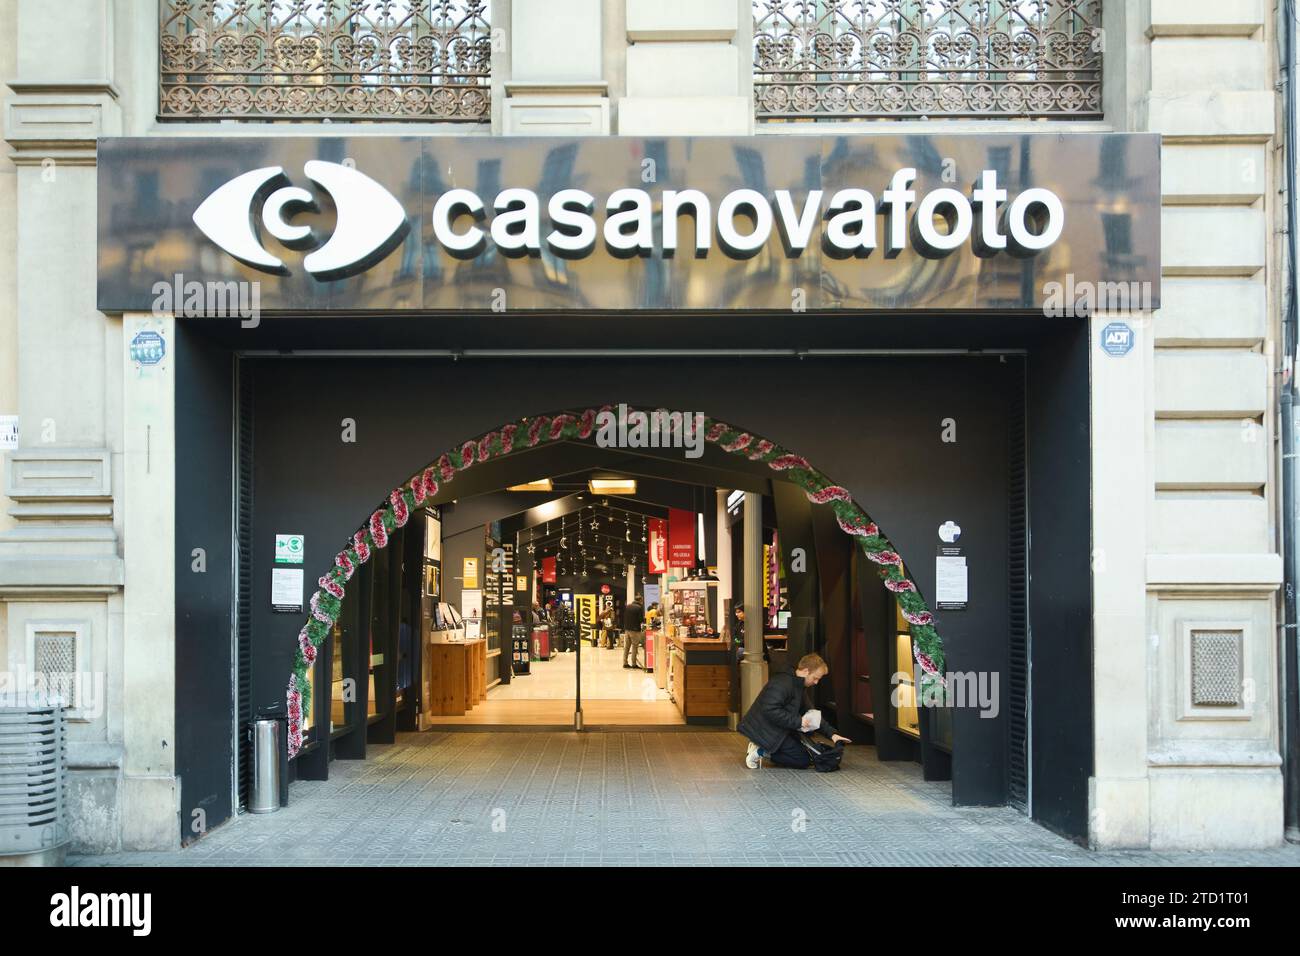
<point x="148" y="348"/>
<point x="1117" y="339"/>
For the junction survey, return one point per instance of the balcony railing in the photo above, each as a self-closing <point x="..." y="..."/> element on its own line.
<point x="422" y="60"/>
<point x="853" y="59"/>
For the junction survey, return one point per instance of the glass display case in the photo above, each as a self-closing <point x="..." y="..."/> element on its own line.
<point x="903" y="666"/>
<point x="342" y="661"/>
<point x="691" y="613"/>
<point x="380" y="672"/>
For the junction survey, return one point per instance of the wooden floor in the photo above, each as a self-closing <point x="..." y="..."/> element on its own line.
<point x="559" y="713"/>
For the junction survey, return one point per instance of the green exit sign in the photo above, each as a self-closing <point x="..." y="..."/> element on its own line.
<point x="288" y="549"/>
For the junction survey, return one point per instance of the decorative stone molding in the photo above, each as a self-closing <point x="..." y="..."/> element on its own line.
<point x="557" y="85"/>
<point x="59" y="125"/>
<point x="48" y="480"/>
<point x="64" y="542"/>
<point x="1206" y="17"/>
<point x="549" y="108"/>
<point x="1246" y="574"/>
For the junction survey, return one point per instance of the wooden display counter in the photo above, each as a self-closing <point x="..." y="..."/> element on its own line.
<point x="455" y="676"/>
<point x="700" y="678"/>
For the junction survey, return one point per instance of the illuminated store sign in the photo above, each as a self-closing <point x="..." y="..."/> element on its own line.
<point x="385" y="224"/>
<point x="371" y="221"/>
<point x="745" y="218"/>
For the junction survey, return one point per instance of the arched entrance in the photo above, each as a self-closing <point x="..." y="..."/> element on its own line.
<point x="435" y="483"/>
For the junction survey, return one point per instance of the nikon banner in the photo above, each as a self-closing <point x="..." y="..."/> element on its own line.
<point x="586" y="615"/>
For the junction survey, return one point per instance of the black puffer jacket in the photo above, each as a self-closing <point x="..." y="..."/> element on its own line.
<point x="777" y="711"/>
<point x="634" y="617"/>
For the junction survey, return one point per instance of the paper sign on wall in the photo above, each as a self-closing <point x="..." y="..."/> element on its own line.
<point x="471" y="605"/>
<point x="951" y="580"/>
<point x="469" y="573"/>
<point x="286" y="589"/>
<point x="8" y="432"/>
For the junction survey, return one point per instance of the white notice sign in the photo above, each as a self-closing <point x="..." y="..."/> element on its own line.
<point x="950" y="581"/>
<point x="286" y="589"/>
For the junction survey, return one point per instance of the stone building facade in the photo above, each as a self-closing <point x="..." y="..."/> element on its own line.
<point x="1186" y="536"/>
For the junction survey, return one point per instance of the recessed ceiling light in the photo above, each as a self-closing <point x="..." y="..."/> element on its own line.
<point x="541" y="484"/>
<point x="612" y="486"/>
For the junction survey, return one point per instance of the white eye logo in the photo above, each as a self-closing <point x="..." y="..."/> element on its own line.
<point x="370" y="221"/>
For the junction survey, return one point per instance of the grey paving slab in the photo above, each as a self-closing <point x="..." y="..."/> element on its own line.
<point x="634" y="799"/>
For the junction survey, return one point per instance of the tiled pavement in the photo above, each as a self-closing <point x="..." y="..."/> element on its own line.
<point x="674" y="798"/>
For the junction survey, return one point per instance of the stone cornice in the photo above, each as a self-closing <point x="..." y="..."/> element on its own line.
<point x="67" y="88"/>
<point x="62" y="124"/>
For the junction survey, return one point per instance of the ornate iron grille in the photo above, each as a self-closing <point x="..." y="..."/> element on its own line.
<point x="425" y="60"/>
<point x="849" y="59"/>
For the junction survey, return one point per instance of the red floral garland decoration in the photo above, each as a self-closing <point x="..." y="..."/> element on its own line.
<point x="326" y="603"/>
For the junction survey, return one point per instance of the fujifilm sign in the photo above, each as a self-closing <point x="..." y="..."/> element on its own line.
<point x="371" y="221"/>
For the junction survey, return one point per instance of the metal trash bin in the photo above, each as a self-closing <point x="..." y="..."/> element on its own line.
<point x="33" y="778"/>
<point x="268" y="739"/>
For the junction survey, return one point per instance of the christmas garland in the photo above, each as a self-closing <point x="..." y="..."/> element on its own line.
<point x="327" y="602"/>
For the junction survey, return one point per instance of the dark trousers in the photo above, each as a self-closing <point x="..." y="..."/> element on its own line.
<point x="791" y="753"/>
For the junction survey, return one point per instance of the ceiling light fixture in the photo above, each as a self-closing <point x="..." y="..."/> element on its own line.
<point x="612" y="486"/>
<point x="541" y="484"/>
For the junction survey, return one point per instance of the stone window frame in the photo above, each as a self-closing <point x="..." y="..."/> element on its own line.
<point x="82" y="630"/>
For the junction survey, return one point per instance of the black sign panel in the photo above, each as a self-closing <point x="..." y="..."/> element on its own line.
<point x="355" y="224"/>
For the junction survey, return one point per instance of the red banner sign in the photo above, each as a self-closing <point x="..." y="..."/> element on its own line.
<point x="681" y="538"/>
<point x="548" y="570"/>
<point x="657" y="546"/>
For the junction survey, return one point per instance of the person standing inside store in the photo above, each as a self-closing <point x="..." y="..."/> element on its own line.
<point x="780" y="713"/>
<point x="633" y="631"/>
<point x="607" y="625"/>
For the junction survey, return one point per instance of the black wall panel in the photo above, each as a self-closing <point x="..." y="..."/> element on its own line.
<point x="1060" y="586"/>
<point x="204" y="409"/>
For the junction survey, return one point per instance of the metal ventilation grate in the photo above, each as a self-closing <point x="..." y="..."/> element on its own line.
<point x="56" y="662"/>
<point x="1216" y="668"/>
<point x="1018" y="609"/>
<point x="244" y="580"/>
